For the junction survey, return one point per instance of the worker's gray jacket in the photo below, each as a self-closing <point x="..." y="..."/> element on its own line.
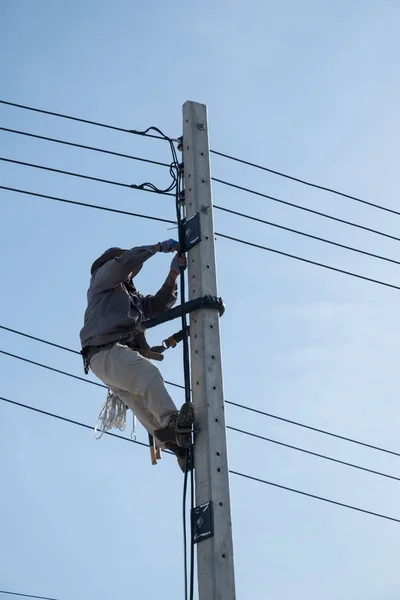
<point x="115" y="310"/>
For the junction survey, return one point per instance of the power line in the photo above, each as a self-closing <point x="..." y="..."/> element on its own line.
<point x="321" y="498"/>
<point x="303" y="450"/>
<point x="311" y="428"/>
<point x="224" y="183"/>
<point x="308" y="183"/>
<point x="308" y="235"/>
<point x="81" y="176"/>
<point x="298" y="449"/>
<point x="221" y="208"/>
<point x="298" y="180"/>
<point x="98" y="124"/>
<point x="26" y="595"/>
<point x="306" y="260"/>
<point x="304" y="208"/>
<point x="37" y="364"/>
<point x="75" y="145"/>
<point x="222" y="235"/>
<point x="242" y="406"/>
<point x="96" y="206"/>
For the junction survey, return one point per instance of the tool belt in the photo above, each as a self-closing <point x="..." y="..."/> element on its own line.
<point x="138" y="343"/>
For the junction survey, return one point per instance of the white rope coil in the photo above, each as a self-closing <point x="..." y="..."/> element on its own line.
<point x="112" y="415"/>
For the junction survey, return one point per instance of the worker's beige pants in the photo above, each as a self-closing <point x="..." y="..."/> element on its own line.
<point x="138" y="383"/>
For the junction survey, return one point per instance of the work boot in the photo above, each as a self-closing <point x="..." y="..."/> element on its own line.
<point x="179" y="428"/>
<point x="181" y="455"/>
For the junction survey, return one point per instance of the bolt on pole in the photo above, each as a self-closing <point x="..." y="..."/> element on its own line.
<point x="212" y="519"/>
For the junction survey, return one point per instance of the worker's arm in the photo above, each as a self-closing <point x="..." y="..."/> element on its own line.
<point x="167" y="295"/>
<point x="117" y="270"/>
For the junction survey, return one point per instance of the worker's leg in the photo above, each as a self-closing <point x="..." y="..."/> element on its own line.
<point x="125" y="370"/>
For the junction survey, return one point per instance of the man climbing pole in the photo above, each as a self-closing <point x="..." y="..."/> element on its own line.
<point x="114" y="343"/>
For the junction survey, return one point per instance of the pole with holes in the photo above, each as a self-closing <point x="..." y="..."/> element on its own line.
<point x="212" y="516"/>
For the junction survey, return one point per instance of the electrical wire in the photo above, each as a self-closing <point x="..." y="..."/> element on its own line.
<point x="310" y="262"/>
<point x="237" y="473"/>
<point x="63" y="116"/>
<point x="236" y="404"/>
<point x="298" y="449"/>
<point x="37" y="364"/>
<point x="75" y="145"/>
<point x="323" y="499"/>
<point x="96" y="206"/>
<point x="249" y="433"/>
<point x="144" y="187"/>
<point x="308" y="235"/>
<point x="309" y="210"/>
<point x="221" y="235"/>
<point x="26" y="595"/>
<point x="222" y="154"/>
<point x="308" y="183"/>
<point x="221" y="208"/>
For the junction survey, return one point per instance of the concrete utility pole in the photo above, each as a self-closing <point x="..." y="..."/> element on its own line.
<point x="213" y="526"/>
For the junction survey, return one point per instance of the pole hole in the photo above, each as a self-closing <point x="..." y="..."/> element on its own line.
<point x="223" y="555"/>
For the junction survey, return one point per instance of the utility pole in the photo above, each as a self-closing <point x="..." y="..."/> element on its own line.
<point x="212" y="519"/>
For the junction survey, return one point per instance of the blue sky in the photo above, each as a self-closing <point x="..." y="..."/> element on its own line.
<point x="308" y="88"/>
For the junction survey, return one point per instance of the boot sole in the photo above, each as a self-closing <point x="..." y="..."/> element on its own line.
<point x="185" y="425"/>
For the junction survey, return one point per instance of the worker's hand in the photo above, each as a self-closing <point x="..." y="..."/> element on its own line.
<point x="169" y="246"/>
<point x="179" y="263"/>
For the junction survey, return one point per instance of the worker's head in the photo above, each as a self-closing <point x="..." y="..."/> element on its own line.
<point x="105" y="257"/>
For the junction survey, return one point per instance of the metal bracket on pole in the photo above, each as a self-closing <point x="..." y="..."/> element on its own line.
<point x="203" y="522"/>
<point x="191" y="234"/>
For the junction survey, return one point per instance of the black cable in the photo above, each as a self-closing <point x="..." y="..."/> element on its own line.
<point x="114" y="210"/>
<point x="133" y="186"/>
<point x="308" y="183"/>
<point x="283" y="487"/>
<point x="162" y="137"/>
<point x="37" y="364"/>
<point x="75" y="145"/>
<point x="330" y="458"/>
<point x="54" y="114"/>
<point x="323" y="499"/>
<point x="26" y="595"/>
<point x="309" y="210"/>
<point x="306" y="260"/>
<point x="308" y="235"/>
<point x="60" y="418"/>
<point x="215" y="206"/>
<point x="242" y="406"/>
<point x="190" y="458"/>
<point x="323" y="431"/>
<point x="222" y="235"/>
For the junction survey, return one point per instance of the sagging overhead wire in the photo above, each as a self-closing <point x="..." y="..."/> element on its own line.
<point x="307" y="260"/>
<point x="97" y="123"/>
<point x="227" y="183"/>
<point x="307" y="235"/>
<point x="242" y="431"/>
<point x="144" y="187"/>
<point x="237" y="473"/>
<point x="217" y="153"/>
<point x="308" y="183"/>
<point x="92" y="148"/>
<point x="26" y="595"/>
<point x="221" y="235"/>
<point x="241" y="406"/>
<point x="217" y="207"/>
<point x="306" y="209"/>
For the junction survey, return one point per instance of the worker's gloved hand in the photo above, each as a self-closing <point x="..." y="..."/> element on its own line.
<point x="169" y="246"/>
<point x="178" y="263"/>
